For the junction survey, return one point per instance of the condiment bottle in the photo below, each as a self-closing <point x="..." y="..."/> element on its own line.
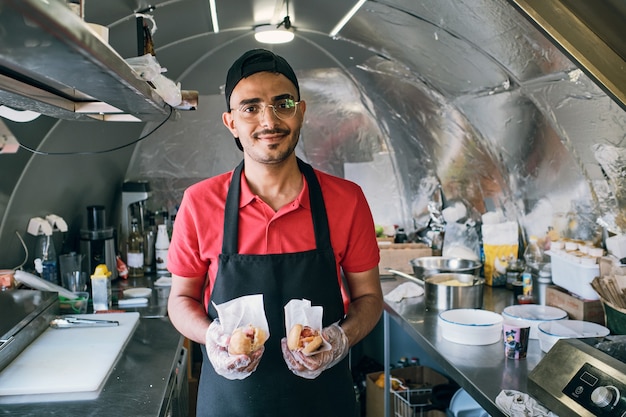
<point x="514" y="272"/>
<point x="101" y="288"/>
<point x="527" y="287"/>
<point x="135" y="256"/>
<point x="162" y="246"/>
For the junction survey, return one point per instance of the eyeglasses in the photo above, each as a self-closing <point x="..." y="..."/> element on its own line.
<point x="283" y="109"/>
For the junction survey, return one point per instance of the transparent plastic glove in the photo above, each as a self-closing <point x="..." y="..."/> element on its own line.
<point x="226" y="365"/>
<point x="310" y="367"/>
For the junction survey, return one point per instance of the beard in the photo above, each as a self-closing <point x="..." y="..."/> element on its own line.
<point x="277" y="152"/>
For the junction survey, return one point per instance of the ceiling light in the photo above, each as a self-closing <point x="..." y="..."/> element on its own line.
<point x="216" y="26"/>
<point x="347" y="18"/>
<point x="273" y="34"/>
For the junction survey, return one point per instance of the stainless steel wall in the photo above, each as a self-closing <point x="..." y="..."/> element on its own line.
<point x="438" y="101"/>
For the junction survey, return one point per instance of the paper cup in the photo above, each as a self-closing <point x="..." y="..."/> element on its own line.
<point x="515" y="338"/>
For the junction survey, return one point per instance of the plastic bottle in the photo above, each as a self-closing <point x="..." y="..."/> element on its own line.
<point x="135" y="252"/>
<point x="533" y="254"/>
<point x="162" y="246"/>
<point x="101" y="288"/>
<point x="527" y="287"/>
<point x="47" y="255"/>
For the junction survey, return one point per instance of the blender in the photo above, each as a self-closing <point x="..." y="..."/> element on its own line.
<point x="97" y="242"/>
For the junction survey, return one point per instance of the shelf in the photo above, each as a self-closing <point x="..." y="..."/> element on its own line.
<point x="53" y="63"/>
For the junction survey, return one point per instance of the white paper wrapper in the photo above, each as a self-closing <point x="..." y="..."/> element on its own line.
<point x="302" y="312"/>
<point x="242" y="311"/>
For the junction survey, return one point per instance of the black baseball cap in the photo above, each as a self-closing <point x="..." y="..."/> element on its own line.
<point x="253" y="61"/>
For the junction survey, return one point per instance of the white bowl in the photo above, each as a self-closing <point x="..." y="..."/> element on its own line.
<point x="469" y="326"/>
<point x="551" y="331"/>
<point x="532" y="315"/>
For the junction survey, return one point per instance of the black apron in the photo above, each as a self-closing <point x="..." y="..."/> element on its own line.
<point x="273" y="390"/>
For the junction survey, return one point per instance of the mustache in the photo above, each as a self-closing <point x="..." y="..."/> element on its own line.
<point x="276" y="131"/>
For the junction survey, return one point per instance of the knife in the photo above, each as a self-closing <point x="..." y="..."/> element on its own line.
<point x="69" y="322"/>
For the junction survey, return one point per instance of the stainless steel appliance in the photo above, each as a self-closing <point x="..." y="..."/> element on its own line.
<point x="97" y="242"/>
<point x="25" y="315"/>
<point x="576" y="378"/>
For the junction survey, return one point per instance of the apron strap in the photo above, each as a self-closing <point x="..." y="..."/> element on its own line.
<point x="318" y="210"/>
<point x="231" y="213"/>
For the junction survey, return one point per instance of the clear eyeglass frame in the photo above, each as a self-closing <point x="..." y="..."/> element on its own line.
<point x="283" y="109"/>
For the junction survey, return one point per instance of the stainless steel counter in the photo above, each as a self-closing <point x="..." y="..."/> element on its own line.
<point x="144" y="379"/>
<point x="482" y="371"/>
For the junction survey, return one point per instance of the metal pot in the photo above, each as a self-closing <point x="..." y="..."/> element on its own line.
<point x="442" y="295"/>
<point x="430" y="265"/>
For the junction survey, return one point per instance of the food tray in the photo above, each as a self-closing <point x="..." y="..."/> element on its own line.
<point x="411" y="402"/>
<point x="574" y="277"/>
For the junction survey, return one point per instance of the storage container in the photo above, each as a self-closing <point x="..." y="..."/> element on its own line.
<point x="551" y="331"/>
<point x="533" y="315"/>
<point x="468" y="326"/>
<point x="575" y="277"/>
<point x="615" y="318"/>
<point x="415" y="378"/>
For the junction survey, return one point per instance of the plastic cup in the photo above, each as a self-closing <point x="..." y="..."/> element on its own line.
<point x="515" y="338"/>
<point x="72" y="276"/>
<point x="75" y="281"/>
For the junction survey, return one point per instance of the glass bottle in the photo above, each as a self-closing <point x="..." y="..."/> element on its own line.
<point x="162" y="246"/>
<point x="149" y="237"/>
<point x="533" y="254"/>
<point x="135" y="253"/>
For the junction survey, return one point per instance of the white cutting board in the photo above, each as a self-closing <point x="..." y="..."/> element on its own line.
<point x="66" y="364"/>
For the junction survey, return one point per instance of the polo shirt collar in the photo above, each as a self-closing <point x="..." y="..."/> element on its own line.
<point x="247" y="196"/>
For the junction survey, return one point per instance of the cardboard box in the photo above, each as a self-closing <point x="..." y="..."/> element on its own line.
<point x="398" y="256"/>
<point x="414" y="377"/>
<point x="576" y="308"/>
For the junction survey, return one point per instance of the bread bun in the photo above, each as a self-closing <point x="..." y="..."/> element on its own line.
<point x="304" y="338"/>
<point x="245" y="340"/>
<point x="293" y="339"/>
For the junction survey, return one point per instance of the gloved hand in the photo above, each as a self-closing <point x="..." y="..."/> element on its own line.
<point x="310" y="367"/>
<point x="227" y="365"/>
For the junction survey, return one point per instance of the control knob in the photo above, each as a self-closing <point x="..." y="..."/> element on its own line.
<point x="605" y="396"/>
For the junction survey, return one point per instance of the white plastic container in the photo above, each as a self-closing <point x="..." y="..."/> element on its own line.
<point x="575" y="277"/>
<point x="469" y="326"/>
<point x="532" y="315"/>
<point x="616" y="245"/>
<point x="551" y="331"/>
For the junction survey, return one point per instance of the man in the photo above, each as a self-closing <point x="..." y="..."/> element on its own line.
<point x="276" y="227"/>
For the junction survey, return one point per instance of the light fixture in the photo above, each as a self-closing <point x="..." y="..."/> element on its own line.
<point x="216" y="26"/>
<point x="281" y="33"/>
<point x="273" y="34"/>
<point x="346" y="18"/>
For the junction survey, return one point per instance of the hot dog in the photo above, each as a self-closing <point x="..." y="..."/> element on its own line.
<point x="245" y="340"/>
<point x="303" y="338"/>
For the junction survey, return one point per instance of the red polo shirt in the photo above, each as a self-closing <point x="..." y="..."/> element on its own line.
<point x="197" y="238"/>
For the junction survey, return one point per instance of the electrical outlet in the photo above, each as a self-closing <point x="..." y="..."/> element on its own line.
<point x="8" y="143"/>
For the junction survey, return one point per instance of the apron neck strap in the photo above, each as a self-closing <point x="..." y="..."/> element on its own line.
<point x="318" y="209"/>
